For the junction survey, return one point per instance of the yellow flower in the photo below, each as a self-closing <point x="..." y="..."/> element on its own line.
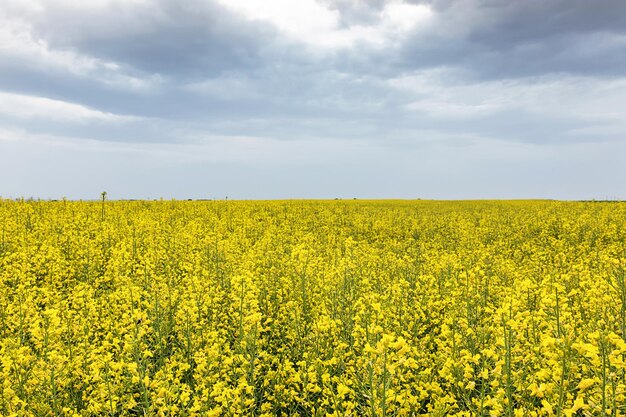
<point x="586" y="383"/>
<point x="343" y="390"/>
<point x="547" y="407"/>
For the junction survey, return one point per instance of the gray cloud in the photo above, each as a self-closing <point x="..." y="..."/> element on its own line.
<point x="504" y="39"/>
<point x="535" y="21"/>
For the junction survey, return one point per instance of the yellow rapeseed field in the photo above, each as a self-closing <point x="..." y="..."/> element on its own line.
<point x="312" y="308"/>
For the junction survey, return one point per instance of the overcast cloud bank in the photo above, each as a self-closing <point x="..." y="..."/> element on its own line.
<point x="313" y="99"/>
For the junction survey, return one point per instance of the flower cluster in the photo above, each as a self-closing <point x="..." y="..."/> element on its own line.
<point x="313" y="308"/>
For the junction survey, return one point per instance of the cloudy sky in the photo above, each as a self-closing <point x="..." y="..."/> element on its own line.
<point x="313" y="99"/>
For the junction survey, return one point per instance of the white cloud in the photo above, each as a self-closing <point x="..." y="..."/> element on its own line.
<point x="405" y="16"/>
<point x="23" y="107"/>
<point x="442" y="93"/>
<point x="310" y="22"/>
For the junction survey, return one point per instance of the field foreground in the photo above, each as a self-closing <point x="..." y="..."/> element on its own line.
<point x="311" y="308"/>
